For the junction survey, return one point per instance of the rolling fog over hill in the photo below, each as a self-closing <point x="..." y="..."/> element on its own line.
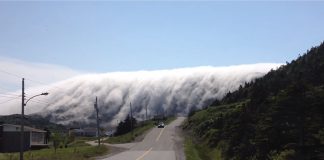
<point x="169" y="91"/>
<point x="234" y="79"/>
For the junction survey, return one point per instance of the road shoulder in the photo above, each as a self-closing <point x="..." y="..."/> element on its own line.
<point x="179" y="143"/>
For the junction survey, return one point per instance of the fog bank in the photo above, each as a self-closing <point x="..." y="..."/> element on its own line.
<point x="164" y="91"/>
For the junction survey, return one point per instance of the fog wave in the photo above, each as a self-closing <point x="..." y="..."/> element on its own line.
<point x="160" y="92"/>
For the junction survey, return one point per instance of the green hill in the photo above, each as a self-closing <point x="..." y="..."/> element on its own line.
<point x="32" y="121"/>
<point x="278" y="116"/>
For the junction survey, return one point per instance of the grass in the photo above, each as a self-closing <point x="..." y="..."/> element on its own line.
<point x="129" y="137"/>
<point x="191" y="151"/>
<point x="77" y="150"/>
<point x="78" y="143"/>
<point x="86" y="138"/>
<point x="169" y="120"/>
<point x="195" y="151"/>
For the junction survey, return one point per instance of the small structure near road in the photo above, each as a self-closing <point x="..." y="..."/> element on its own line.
<point x="88" y="132"/>
<point x="10" y="138"/>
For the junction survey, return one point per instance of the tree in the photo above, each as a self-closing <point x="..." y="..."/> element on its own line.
<point x="57" y="138"/>
<point x="126" y="125"/>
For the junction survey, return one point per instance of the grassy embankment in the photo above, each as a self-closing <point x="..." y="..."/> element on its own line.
<point x="77" y="150"/>
<point x="200" y="135"/>
<point x="277" y="116"/>
<point x="195" y="151"/>
<point x="129" y="137"/>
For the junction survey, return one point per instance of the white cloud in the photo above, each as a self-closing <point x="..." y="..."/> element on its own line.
<point x="38" y="77"/>
<point x="44" y="73"/>
<point x="171" y="91"/>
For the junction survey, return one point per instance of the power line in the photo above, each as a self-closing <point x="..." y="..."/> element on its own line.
<point x="49" y="87"/>
<point x="8" y="96"/>
<point x="9" y="90"/>
<point x="12" y="74"/>
<point x="40" y="101"/>
<point x="8" y="100"/>
<point x="29" y="79"/>
<point x="4" y="89"/>
<point x="5" y="93"/>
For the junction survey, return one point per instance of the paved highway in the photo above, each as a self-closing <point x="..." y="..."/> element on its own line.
<point x="158" y="144"/>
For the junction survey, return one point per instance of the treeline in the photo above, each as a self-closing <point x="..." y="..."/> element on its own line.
<point x="126" y="126"/>
<point x="278" y="116"/>
<point x="32" y="121"/>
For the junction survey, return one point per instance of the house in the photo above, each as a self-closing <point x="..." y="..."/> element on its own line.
<point x="76" y="132"/>
<point x="88" y="132"/>
<point x="10" y="138"/>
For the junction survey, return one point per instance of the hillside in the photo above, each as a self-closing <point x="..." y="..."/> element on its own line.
<point x="32" y="121"/>
<point x="278" y="116"/>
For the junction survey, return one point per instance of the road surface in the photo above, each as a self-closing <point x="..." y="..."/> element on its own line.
<point x="158" y="144"/>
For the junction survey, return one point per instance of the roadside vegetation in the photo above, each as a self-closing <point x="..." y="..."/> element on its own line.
<point x="62" y="147"/>
<point x="278" y="116"/>
<point x="130" y="136"/>
<point x="191" y="150"/>
<point x="169" y="120"/>
<point x="75" y="150"/>
<point x="200" y="151"/>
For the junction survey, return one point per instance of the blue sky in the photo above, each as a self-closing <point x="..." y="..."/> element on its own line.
<point x="129" y="36"/>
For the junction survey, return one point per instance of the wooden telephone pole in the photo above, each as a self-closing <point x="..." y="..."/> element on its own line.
<point x="21" y="155"/>
<point x="23" y="104"/>
<point x="131" y="114"/>
<point x="98" y="129"/>
<point x="146" y="113"/>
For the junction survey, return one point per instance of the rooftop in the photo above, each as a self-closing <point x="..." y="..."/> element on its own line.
<point x="26" y="128"/>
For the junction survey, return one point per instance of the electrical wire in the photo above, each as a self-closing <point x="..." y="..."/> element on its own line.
<point x="9" y="90"/>
<point x="8" y="100"/>
<point x="30" y="80"/>
<point x="11" y="94"/>
<point x="39" y="102"/>
<point x="8" y="96"/>
<point x="12" y="74"/>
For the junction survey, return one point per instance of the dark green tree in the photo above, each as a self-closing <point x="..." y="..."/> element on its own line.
<point x="126" y="125"/>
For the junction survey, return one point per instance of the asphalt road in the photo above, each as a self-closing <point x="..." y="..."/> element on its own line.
<point x="158" y="144"/>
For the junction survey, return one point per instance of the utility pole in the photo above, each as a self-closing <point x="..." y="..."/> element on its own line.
<point x="22" y="120"/>
<point x="146" y="113"/>
<point x="98" y="129"/>
<point x="23" y="104"/>
<point x="131" y="114"/>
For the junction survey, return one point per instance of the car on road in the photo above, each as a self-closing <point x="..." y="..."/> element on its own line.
<point x="161" y="125"/>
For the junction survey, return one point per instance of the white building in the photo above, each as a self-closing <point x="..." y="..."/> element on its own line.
<point x="10" y="138"/>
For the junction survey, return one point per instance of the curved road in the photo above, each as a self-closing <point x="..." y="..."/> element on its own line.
<point x="158" y="144"/>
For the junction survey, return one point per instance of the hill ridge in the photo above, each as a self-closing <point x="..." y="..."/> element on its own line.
<point x="280" y="115"/>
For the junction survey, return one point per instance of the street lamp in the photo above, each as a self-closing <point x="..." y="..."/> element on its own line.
<point x="42" y="94"/>
<point x="23" y="116"/>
